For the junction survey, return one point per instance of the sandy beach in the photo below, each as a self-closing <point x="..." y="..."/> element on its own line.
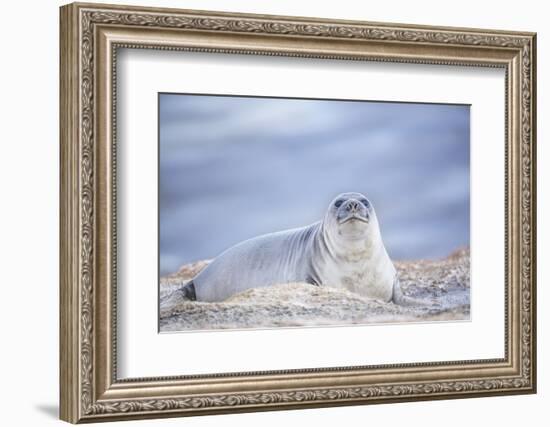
<point x="442" y="285"/>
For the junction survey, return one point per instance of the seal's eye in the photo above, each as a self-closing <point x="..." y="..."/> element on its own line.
<point x="365" y="202"/>
<point x="338" y="203"/>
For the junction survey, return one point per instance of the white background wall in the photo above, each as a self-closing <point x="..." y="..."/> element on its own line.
<point x="29" y="171"/>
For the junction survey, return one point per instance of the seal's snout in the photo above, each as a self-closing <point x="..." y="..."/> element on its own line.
<point x="353" y="210"/>
<point x="353" y="206"/>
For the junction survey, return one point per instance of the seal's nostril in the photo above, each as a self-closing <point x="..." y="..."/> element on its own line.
<point x="352" y="206"/>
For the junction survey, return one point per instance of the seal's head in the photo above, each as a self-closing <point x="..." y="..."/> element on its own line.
<point x="351" y="215"/>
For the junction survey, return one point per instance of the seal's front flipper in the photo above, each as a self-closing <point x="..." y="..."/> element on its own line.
<point x="188" y="291"/>
<point x="311" y="281"/>
<point x="401" y="299"/>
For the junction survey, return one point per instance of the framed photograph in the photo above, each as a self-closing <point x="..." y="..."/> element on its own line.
<point x="276" y="163"/>
<point x="266" y="212"/>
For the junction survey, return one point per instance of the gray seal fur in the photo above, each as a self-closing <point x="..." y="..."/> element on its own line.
<point x="344" y="250"/>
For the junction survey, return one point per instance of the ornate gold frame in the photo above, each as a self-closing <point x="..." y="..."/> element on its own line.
<point x="90" y="36"/>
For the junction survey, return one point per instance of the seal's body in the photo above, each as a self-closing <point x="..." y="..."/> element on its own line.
<point x="276" y="258"/>
<point x="345" y="250"/>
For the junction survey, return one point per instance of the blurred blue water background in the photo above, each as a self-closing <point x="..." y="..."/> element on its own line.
<point x="232" y="168"/>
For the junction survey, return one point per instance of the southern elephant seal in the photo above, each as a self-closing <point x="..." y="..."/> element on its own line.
<point x="344" y="250"/>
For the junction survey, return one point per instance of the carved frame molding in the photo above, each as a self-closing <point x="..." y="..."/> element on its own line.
<point x="90" y="37"/>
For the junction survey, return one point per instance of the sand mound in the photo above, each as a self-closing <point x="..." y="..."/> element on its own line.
<point x="444" y="286"/>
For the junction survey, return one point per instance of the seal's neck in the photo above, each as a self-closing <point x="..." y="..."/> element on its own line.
<point x="344" y="249"/>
